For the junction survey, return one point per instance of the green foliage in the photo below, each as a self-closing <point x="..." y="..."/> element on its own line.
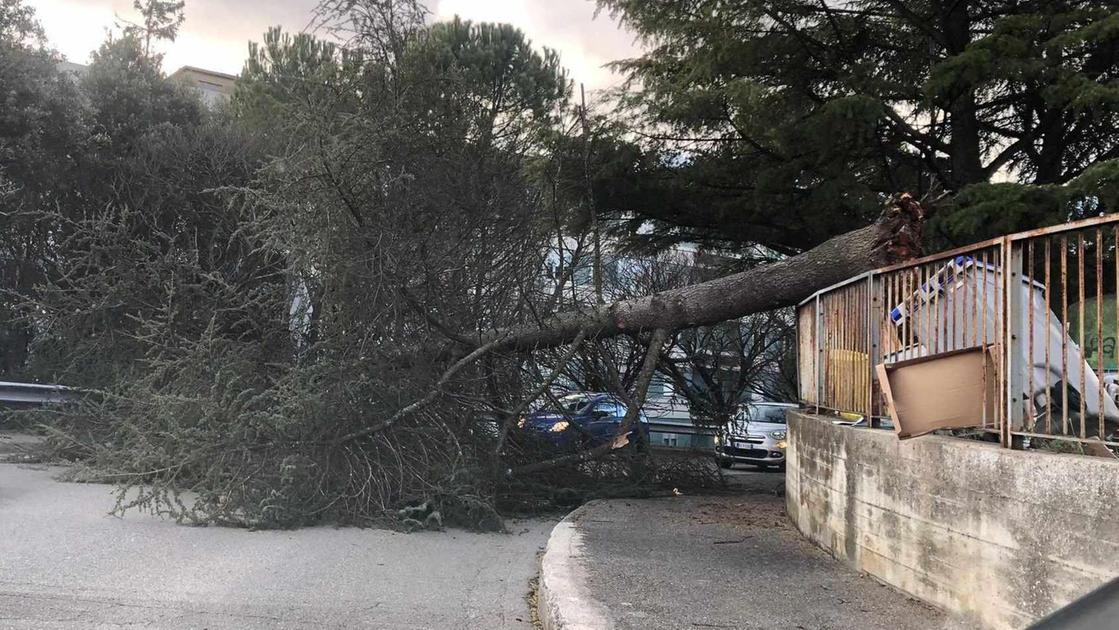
<point x="240" y="317"/>
<point x="485" y="76"/>
<point x="783" y="122"/>
<point x="165" y="249"/>
<point x="161" y="19"/>
<point x="129" y="95"/>
<point x="43" y="135"/>
<point x="983" y="211"/>
<point x="286" y="73"/>
<point x="18" y="26"/>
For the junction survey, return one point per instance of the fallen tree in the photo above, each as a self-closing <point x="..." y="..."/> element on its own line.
<point x="347" y="337"/>
<point x="263" y="441"/>
<point x="894" y="237"/>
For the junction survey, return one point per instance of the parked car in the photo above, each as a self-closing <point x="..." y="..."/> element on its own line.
<point x="585" y="419"/>
<point x="755" y="436"/>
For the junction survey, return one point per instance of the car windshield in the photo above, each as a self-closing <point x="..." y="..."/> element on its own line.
<point x="772" y="415"/>
<point x="571" y="405"/>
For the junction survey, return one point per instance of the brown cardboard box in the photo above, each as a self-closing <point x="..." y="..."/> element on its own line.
<point x="952" y="390"/>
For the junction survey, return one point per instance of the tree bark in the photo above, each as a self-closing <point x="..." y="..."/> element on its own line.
<point x="965" y="141"/>
<point x="894" y="237"/>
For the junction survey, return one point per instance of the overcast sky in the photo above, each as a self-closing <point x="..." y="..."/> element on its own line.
<point x="216" y="32"/>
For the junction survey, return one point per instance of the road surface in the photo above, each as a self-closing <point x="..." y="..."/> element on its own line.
<point x="64" y="563"/>
<point x="730" y="561"/>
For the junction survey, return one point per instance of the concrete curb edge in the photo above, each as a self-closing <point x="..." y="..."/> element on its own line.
<point x="563" y="599"/>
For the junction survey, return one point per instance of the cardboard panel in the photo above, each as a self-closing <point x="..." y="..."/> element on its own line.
<point x="952" y="390"/>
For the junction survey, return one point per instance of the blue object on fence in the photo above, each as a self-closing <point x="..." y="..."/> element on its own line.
<point x="934" y="286"/>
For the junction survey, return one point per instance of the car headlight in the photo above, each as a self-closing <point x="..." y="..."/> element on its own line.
<point x="782" y="445"/>
<point x="560" y="426"/>
<point x="521" y="423"/>
<point x="777" y="435"/>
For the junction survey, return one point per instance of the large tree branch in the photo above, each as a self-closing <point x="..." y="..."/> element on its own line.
<point x="895" y="236"/>
<point x="421" y="403"/>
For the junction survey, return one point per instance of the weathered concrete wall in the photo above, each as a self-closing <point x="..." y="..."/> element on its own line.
<point x="1000" y="536"/>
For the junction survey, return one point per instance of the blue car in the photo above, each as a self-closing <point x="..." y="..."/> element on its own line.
<point x="584" y="419"/>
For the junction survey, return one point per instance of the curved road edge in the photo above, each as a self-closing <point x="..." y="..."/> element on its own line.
<point x="563" y="598"/>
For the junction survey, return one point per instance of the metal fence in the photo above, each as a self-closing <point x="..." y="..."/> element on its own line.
<point x="1043" y="303"/>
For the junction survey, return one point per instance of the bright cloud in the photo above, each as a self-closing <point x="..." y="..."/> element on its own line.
<point x="217" y="32"/>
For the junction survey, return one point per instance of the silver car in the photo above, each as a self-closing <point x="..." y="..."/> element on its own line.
<point x="755" y="436"/>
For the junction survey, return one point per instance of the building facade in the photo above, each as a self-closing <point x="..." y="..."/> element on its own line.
<point x="215" y="88"/>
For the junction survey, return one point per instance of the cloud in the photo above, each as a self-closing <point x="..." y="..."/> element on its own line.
<point x="216" y="32"/>
<point x="585" y="42"/>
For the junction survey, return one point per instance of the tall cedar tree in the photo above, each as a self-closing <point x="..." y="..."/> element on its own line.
<point x="783" y="122"/>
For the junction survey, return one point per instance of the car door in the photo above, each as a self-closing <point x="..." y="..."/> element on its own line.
<point x="603" y="420"/>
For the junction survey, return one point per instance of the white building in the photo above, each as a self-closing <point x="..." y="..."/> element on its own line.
<point x="214" y="88"/>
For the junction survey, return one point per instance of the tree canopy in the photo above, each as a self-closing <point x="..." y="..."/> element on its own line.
<point x="783" y="122"/>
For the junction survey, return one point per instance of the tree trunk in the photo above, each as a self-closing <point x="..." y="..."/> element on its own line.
<point x="895" y="236"/>
<point x="966" y="150"/>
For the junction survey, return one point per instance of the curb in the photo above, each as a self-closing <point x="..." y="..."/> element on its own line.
<point x="563" y="600"/>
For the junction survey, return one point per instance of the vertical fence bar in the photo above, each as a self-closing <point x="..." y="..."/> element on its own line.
<point x="1048" y="327"/>
<point x="1064" y="337"/>
<point x="976" y="292"/>
<point x="942" y="299"/>
<point x="870" y="344"/>
<point x="860" y="382"/>
<point x="854" y="315"/>
<point x="1080" y="321"/>
<point x="852" y="323"/>
<point x="925" y="335"/>
<point x="975" y="270"/>
<point x="873" y="328"/>
<point x="835" y="382"/>
<point x="1004" y="333"/>
<point x="844" y="317"/>
<point x="952" y="345"/>
<point x="983" y="321"/>
<point x="819" y="355"/>
<point x="1099" y="327"/>
<point x="848" y="377"/>
<point x="1028" y="278"/>
<point x="864" y="341"/>
<point x="1012" y="341"/>
<point x="906" y="297"/>
<point x="797" y="353"/>
<point x="965" y="295"/>
<point x="929" y="307"/>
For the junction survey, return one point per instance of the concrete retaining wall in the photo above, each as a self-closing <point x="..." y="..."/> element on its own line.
<point x="1001" y="537"/>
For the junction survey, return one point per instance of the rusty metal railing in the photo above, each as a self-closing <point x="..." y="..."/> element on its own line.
<point x="1042" y="303"/>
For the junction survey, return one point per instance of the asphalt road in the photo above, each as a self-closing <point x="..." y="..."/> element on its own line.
<point x="64" y="563"/>
<point x="730" y="561"/>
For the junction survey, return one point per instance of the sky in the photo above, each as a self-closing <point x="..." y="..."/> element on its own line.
<point x="216" y="32"/>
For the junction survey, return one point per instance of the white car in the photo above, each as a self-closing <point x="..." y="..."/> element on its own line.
<point x="755" y="436"/>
